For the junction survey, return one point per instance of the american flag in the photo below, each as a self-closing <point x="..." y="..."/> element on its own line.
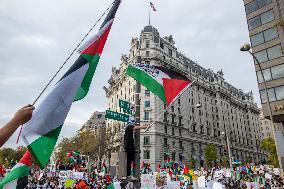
<point x="153" y="7"/>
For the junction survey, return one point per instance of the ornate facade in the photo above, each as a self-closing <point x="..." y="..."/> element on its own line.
<point x="197" y="118"/>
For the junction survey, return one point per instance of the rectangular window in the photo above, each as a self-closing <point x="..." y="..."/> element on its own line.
<point x="173" y="131"/>
<point x="251" y="7"/>
<point x="173" y="156"/>
<point x="261" y="19"/>
<point x="147" y="104"/>
<point x="277" y="71"/>
<point x="146" y="140"/>
<point x="279" y="91"/>
<point x="165" y="142"/>
<point x="165" y="129"/>
<point x="162" y="45"/>
<point x="254" y="22"/>
<point x="271" y="95"/>
<point x="147" y="93"/>
<point x="147" y="53"/>
<point x="165" y="156"/>
<point x="147" y="44"/>
<point x="146" y="115"/>
<point x="146" y="154"/>
<point x="257" y="39"/>
<point x="255" y="5"/>
<point x="270" y="34"/>
<point x="266" y="74"/>
<point x="180" y="145"/>
<point x="274" y="52"/>
<point x="267" y="17"/>
<point x="261" y="56"/>
<point x="180" y="157"/>
<point x="170" y="52"/>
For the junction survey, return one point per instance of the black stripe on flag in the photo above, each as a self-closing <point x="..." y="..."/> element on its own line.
<point x="111" y="13"/>
<point x="81" y="61"/>
<point x="172" y="74"/>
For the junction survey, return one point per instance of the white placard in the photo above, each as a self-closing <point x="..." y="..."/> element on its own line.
<point x="78" y="175"/>
<point x="173" y="185"/>
<point x="268" y="176"/>
<point x="148" y="181"/>
<point x="201" y="181"/>
<point x="217" y="185"/>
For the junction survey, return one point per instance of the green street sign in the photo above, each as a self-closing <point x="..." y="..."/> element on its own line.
<point x="124" y="104"/>
<point x="117" y="116"/>
<point x="127" y="111"/>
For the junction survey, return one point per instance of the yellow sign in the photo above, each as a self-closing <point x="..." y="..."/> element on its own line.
<point x="69" y="183"/>
<point x="278" y="107"/>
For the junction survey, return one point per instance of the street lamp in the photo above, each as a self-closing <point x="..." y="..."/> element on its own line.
<point x="246" y="48"/>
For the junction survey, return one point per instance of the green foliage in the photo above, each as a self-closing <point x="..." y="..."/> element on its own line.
<point x="192" y="163"/>
<point x="9" y="156"/>
<point x="268" y="145"/>
<point x="210" y="154"/>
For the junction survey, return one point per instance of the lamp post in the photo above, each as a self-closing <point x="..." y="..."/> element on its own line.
<point x="246" y="48"/>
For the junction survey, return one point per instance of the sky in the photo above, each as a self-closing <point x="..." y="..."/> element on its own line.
<point x="37" y="36"/>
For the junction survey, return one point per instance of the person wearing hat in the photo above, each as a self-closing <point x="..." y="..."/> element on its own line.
<point x="129" y="142"/>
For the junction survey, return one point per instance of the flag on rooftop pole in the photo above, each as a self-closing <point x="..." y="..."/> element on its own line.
<point x="40" y="134"/>
<point x="166" y="84"/>
<point x="18" y="176"/>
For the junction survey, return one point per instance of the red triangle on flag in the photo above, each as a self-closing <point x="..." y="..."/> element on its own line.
<point x="173" y="87"/>
<point x="97" y="46"/>
<point x="26" y="159"/>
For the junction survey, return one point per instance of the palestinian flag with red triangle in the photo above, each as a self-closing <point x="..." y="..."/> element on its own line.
<point x="40" y="134"/>
<point x="18" y="176"/>
<point x="166" y="84"/>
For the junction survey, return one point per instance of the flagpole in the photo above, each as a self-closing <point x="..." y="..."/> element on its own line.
<point x="169" y="106"/>
<point x="53" y="77"/>
<point x="149" y="16"/>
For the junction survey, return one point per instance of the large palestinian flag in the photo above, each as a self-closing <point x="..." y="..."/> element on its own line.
<point x="41" y="132"/>
<point x="18" y="176"/>
<point x="166" y="84"/>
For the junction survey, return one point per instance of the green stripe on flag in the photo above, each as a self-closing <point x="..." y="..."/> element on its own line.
<point x="85" y="85"/>
<point x="44" y="144"/>
<point x="147" y="81"/>
<point x="15" y="174"/>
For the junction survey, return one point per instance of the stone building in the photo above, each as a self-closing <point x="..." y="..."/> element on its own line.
<point x="265" y="126"/>
<point x="97" y="120"/>
<point x="197" y="118"/>
<point x="265" y="19"/>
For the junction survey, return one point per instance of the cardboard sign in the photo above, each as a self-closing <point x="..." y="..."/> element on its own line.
<point x="173" y="184"/>
<point x="148" y="181"/>
<point x="69" y="183"/>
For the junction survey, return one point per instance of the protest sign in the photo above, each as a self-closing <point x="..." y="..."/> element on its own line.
<point x="78" y="175"/>
<point x="173" y="184"/>
<point x="148" y="181"/>
<point x="69" y="183"/>
<point x="217" y="185"/>
<point x="268" y="176"/>
<point x="201" y="181"/>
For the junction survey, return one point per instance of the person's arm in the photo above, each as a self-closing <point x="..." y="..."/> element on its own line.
<point x="140" y="127"/>
<point x="21" y="117"/>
